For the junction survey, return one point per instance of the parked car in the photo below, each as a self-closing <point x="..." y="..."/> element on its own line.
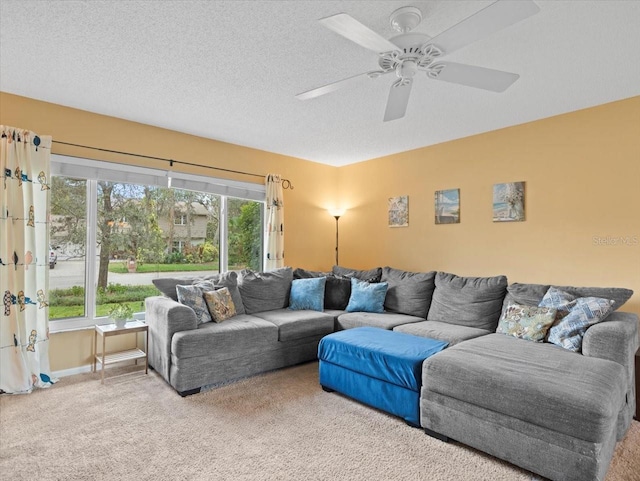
<point x="53" y="258"/>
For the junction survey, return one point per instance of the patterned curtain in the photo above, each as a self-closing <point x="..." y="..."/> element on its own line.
<point x="274" y="235"/>
<point x="24" y="269"/>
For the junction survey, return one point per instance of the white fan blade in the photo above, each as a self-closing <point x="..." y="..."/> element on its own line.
<point x="472" y="76"/>
<point x="350" y="28"/>
<point x="482" y="24"/>
<point x="332" y="87"/>
<point x="398" y="100"/>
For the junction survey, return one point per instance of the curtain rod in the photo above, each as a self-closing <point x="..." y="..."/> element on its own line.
<point x="286" y="183"/>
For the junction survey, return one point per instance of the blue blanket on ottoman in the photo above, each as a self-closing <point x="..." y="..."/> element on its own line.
<point x="378" y="367"/>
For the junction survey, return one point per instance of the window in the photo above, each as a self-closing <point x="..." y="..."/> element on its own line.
<point x="135" y="229"/>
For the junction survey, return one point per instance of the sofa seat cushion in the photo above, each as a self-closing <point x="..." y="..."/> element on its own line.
<point x="541" y="384"/>
<point x="443" y="331"/>
<point x="298" y="324"/>
<point x="383" y="320"/>
<point x="225" y="340"/>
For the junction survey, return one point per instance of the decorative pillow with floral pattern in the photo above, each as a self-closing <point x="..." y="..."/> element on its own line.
<point x="220" y="304"/>
<point x="526" y="322"/>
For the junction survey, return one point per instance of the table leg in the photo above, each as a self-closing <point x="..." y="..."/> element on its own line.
<point x="104" y="338"/>
<point x="95" y="349"/>
<point x="146" y="352"/>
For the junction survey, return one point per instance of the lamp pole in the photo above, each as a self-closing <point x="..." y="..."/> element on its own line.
<point x="337" y="217"/>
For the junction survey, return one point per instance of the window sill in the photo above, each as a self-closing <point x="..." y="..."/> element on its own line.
<point x="83" y="323"/>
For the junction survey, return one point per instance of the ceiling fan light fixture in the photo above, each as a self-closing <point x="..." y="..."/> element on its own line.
<point x="405" y="19"/>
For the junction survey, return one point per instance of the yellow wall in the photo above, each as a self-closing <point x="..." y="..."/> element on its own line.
<point x="582" y="174"/>
<point x="309" y="235"/>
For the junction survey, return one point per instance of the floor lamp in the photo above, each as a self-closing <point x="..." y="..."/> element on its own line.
<point x="337" y="214"/>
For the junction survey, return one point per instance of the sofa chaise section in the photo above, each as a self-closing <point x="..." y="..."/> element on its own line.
<point x="551" y="411"/>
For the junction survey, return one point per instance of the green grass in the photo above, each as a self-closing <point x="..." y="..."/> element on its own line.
<point x="65" y="303"/>
<point x="61" y="312"/>
<point x="120" y="268"/>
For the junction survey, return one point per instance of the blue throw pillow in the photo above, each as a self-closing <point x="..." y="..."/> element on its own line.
<point x="307" y="294"/>
<point x="367" y="297"/>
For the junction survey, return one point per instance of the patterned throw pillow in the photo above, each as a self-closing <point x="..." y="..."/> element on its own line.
<point x="307" y="294"/>
<point x="191" y="296"/>
<point x="574" y="316"/>
<point x="526" y="322"/>
<point x="367" y="297"/>
<point x="220" y="304"/>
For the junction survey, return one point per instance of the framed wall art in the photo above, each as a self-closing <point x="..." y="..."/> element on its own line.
<point x="447" y="206"/>
<point x="508" y="202"/>
<point x="399" y="211"/>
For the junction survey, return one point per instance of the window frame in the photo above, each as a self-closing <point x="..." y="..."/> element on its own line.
<point x="92" y="171"/>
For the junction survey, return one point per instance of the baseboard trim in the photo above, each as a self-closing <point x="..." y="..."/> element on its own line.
<point x="87" y="368"/>
<point x="72" y="371"/>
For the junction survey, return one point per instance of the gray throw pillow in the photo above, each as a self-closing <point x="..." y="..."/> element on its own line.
<point x="468" y="301"/>
<point x="371" y="275"/>
<point x="532" y="294"/>
<point x="408" y="292"/>
<point x="265" y="291"/>
<point x="337" y="290"/>
<point x="167" y="285"/>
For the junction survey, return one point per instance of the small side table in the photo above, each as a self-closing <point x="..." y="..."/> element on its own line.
<point x="105" y="358"/>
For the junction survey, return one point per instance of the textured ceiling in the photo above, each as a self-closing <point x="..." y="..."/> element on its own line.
<point x="229" y="70"/>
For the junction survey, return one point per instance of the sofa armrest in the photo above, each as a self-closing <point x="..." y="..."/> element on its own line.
<point x="165" y="317"/>
<point x="615" y="339"/>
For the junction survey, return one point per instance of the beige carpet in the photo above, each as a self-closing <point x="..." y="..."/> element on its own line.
<point x="278" y="426"/>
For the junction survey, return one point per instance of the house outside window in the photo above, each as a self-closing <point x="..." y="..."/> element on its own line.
<point x="114" y="230"/>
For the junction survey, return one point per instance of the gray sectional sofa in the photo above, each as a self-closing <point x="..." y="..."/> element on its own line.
<point x="547" y="409"/>
<point x="263" y="336"/>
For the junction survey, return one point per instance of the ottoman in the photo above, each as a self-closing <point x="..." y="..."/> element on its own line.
<point x="377" y="367"/>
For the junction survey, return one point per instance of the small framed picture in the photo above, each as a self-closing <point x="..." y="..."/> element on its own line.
<point x="399" y="211"/>
<point x="447" y="206"/>
<point x="508" y="202"/>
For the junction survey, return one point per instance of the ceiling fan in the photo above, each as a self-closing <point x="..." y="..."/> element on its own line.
<point x="409" y="53"/>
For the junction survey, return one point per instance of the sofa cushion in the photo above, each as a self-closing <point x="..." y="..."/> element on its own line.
<point x="220" y="304"/>
<point x="192" y="296"/>
<point x="385" y="320"/>
<point x="225" y="340"/>
<point x="408" y="292"/>
<point x="443" y="331"/>
<point x="307" y="294"/>
<point x="366" y="296"/>
<point x="337" y="289"/>
<point x="167" y="285"/>
<point x="537" y="383"/>
<point x="265" y="291"/>
<point x="532" y="294"/>
<point x="526" y="322"/>
<point x="468" y="301"/>
<point x="229" y="280"/>
<point x="298" y="324"/>
<point x="370" y="275"/>
<point x="574" y="316"/>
